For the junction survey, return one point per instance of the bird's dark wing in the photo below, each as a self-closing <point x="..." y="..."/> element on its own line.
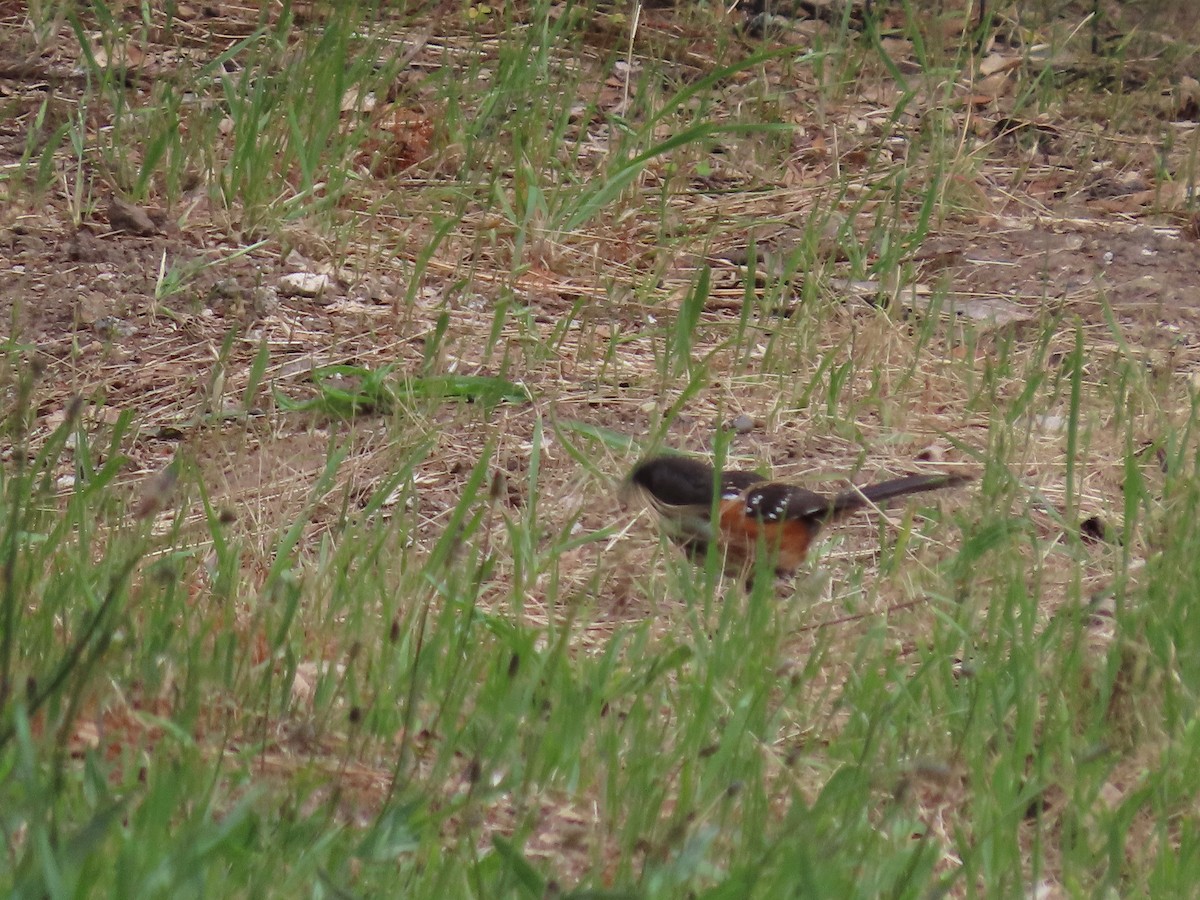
<point x="777" y="501"/>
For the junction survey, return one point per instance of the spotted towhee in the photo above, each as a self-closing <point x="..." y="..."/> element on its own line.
<point x="752" y="511"/>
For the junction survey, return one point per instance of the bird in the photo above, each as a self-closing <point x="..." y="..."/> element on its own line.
<point x="754" y="513"/>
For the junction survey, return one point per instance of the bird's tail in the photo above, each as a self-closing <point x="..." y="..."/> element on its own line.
<point x="873" y="494"/>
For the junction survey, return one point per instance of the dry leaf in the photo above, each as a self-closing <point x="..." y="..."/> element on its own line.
<point x="998" y="62"/>
<point x="156" y="492"/>
<point x="402" y="138"/>
<point x="991" y="87"/>
<point x="1187" y="99"/>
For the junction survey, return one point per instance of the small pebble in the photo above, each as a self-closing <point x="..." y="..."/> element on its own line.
<point x="303" y="284"/>
<point x="742" y="424"/>
<point x="125" y="216"/>
<point x="113" y="327"/>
